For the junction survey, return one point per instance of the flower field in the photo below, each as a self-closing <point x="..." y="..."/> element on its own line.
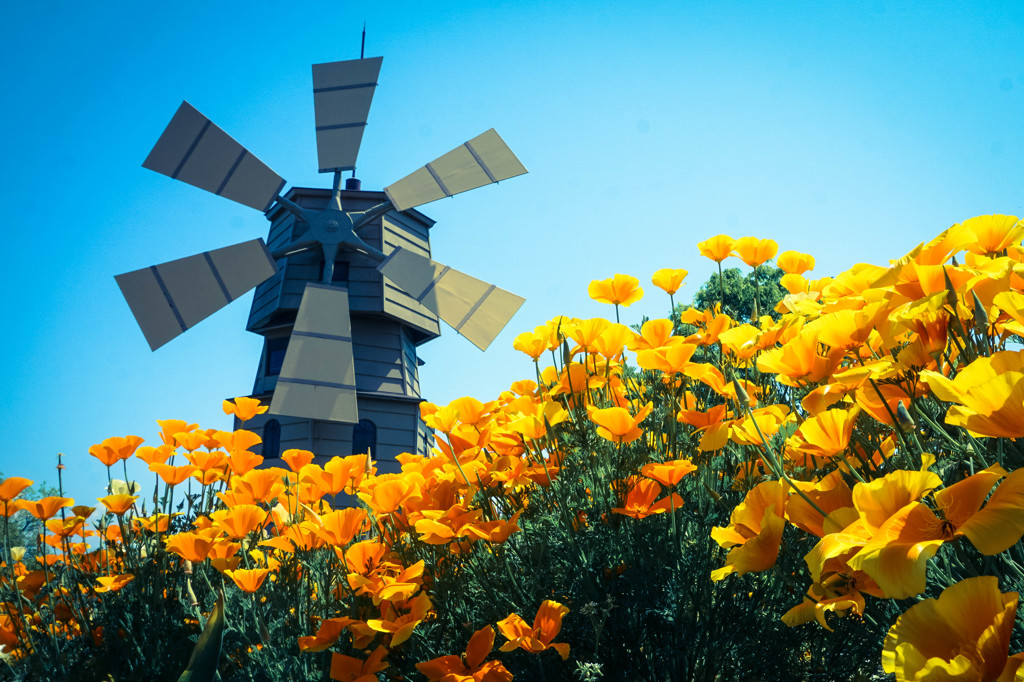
<point x="829" y="488"/>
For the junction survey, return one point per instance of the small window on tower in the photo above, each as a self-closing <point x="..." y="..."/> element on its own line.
<point x="272" y="439"/>
<point x="276" y="348"/>
<point x="364" y="438"/>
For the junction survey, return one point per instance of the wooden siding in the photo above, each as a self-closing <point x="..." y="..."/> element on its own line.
<point x="401" y="232"/>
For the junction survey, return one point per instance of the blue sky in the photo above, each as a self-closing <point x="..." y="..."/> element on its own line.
<point x="849" y="130"/>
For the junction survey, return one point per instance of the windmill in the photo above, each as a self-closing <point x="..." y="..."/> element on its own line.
<point x="345" y="286"/>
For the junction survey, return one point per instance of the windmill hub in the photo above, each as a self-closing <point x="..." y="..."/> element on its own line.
<point x="331" y="226"/>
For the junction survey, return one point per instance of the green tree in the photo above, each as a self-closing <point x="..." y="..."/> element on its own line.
<point x="739" y="292"/>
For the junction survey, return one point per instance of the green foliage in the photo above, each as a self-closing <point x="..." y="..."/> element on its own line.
<point x="740" y="292"/>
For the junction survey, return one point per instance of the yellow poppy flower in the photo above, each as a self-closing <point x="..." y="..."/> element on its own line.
<point x="754" y="532"/>
<point x="669" y="279"/>
<point x="963" y="635"/>
<point x="244" y="408"/>
<point x="794" y="262"/>
<point x="118" y="504"/>
<point x="617" y="424"/>
<point x="619" y="290"/>
<point x="993" y="233"/>
<point x="754" y="251"/>
<point x="113" y="583"/>
<point x="531" y="343"/>
<point x="717" y="248"/>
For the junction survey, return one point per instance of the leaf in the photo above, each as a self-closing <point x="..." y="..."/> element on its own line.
<point x="202" y="666"/>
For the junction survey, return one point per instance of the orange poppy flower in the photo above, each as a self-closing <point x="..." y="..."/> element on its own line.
<point x="169" y="427"/>
<point x="964" y="634"/>
<point x="248" y="579"/>
<point x="619" y="290"/>
<point x="471" y="411"/>
<point x="244" y="408"/>
<point x="113" y="583"/>
<point x="546" y="626"/>
<point x="223" y="555"/>
<point x="387" y="496"/>
<point x="171" y="474"/>
<point x="329" y="632"/>
<point x="717" y="248"/>
<point x="237" y="522"/>
<point x="640" y="500"/>
<point x="754" y="251"/>
<point x="191" y="440"/>
<point x="242" y="462"/>
<point x="262" y="485"/>
<point x="12" y="487"/>
<point x="794" y="262"/>
<point x="158" y="455"/>
<point x="296" y="459"/>
<point x="236" y="440"/>
<point x="118" y="504"/>
<point x="348" y="669"/>
<point x="115" y="449"/>
<point x="668" y="473"/>
<point x="470" y="665"/>
<point x="401" y="627"/>
<point x="669" y="280"/>
<point x="208" y="460"/>
<point x="339" y="527"/>
<point x="190" y="546"/>
<point x="47" y="507"/>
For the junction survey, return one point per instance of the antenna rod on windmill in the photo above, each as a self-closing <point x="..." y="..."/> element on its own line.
<point x="362" y="55"/>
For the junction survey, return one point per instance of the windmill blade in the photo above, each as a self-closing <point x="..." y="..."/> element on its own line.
<point x="318" y="375"/>
<point x="169" y="298"/>
<point x="475" y="309"/>
<point x="194" y="150"/>
<point x="481" y="161"/>
<point x="342" y="93"/>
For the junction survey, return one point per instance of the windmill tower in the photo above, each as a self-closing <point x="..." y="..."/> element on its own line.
<point x="346" y="289"/>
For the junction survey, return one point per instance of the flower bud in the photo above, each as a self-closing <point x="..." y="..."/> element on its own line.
<point x="906" y="422"/>
<point x="980" y="315"/>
